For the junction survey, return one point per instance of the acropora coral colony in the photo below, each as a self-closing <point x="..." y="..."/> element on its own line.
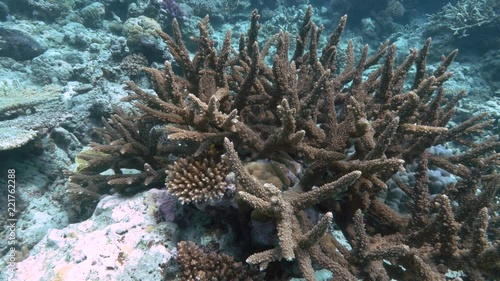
<point x="334" y="129"/>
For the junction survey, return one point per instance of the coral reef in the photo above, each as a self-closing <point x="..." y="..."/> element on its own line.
<point x="351" y="129"/>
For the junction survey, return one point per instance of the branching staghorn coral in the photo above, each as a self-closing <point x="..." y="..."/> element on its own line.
<point x="129" y="151"/>
<point x="350" y="130"/>
<point x="296" y="238"/>
<point x="466" y="15"/>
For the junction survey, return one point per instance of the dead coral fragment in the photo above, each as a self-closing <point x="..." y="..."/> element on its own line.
<point x="11" y="137"/>
<point x="197" y="178"/>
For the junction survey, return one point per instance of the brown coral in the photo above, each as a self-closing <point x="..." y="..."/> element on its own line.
<point x="350" y="131"/>
<point x="195" y="264"/>
<point x="197" y="178"/>
<point x="133" y="64"/>
<point x="296" y="238"/>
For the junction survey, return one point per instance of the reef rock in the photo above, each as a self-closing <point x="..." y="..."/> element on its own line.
<point x="121" y="241"/>
<point x="19" y="45"/>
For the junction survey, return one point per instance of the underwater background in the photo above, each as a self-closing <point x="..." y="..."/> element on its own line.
<point x="127" y="153"/>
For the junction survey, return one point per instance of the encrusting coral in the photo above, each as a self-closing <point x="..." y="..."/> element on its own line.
<point x="351" y="129"/>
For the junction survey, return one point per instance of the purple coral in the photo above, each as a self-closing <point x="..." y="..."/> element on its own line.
<point x="166" y="204"/>
<point x="172" y="9"/>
